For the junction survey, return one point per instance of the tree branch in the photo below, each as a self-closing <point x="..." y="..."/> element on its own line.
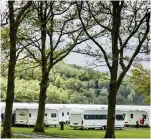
<point x="133" y="32"/>
<point x="103" y="51"/>
<point x="20" y="14"/>
<point x="147" y="16"/>
<point x="107" y="28"/>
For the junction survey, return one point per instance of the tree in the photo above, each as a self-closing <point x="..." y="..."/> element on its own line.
<point x="141" y="80"/>
<point x="63" y="88"/>
<point x="13" y="28"/>
<point x="55" y="22"/>
<point x="120" y="25"/>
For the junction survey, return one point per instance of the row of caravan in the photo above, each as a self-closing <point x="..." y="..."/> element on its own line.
<point x="78" y="118"/>
<point x="79" y="115"/>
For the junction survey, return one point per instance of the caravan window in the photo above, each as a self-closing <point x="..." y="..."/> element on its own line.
<point x="104" y="116"/>
<point x="98" y="116"/>
<point x="95" y="117"/>
<point x="29" y="114"/>
<point x="119" y="117"/>
<point x="86" y="117"/>
<point x="123" y="115"/>
<point x="131" y="116"/>
<point x="67" y="113"/>
<point x="89" y="117"/>
<point x="53" y="115"/>
<point x="62" y="113"/>
<point x="144" y="116"/>
<point x="92" y="116"/>
<point x="21" y="114"/>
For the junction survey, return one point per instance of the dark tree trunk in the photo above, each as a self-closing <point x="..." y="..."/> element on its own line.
<point x="42" y="98"/>
<point x="6" y="133"/>
<point x="45" y="73"/>
<point x="9" y="103"/>
<point x="114" y="70"/>
<point x="111" y="112"/>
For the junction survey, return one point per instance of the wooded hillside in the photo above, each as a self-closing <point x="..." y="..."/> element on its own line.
<point x="68" y="84"/>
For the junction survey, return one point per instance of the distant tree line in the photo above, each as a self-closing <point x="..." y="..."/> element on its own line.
<point x="69" y="84"/>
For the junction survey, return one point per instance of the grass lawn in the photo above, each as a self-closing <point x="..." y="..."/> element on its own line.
<point x="71" y="133"/>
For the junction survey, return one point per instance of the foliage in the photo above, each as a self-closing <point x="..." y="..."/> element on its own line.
<point x="141" y="80"/>
<point x="67" y="86"/>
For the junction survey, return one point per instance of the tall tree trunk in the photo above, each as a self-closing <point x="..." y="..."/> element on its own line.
<point x="43" y="85"/>
<point x="6" y="133"/>
<point x="111" y="112"/>
<point x="44" y="70"/>
<point x="9" y="102"/>
<point x="114" y="69"/>
<point x="41" y="109"/>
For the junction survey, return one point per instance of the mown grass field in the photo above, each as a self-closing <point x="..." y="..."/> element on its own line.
<point x="71" y="133"/>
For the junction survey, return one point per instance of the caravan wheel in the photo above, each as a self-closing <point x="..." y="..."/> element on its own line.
<point x="104" y="127"/>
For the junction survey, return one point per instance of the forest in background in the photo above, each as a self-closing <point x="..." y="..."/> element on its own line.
<point x="68" y="84"/>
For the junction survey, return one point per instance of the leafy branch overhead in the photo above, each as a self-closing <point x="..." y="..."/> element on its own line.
<point x="141" y="79"/>
<point x="127" y="31"/>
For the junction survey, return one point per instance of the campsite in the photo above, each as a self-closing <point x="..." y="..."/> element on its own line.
<point x="75" y="69"/>
<point x="91" y="125"/>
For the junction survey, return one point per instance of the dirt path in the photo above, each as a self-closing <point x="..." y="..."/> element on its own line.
<point x="32" y="135"/>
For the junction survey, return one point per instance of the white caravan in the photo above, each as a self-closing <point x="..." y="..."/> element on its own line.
<point x="25" y="116"/>
<point x="93" y="119"/>
<point x="51" y="116"/>
<point x="29" y="116"/>
<point x="64" y="114"/>
<point x="132" y="117"/>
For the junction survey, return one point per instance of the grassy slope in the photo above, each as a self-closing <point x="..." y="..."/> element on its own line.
<point x="71" y="133"/>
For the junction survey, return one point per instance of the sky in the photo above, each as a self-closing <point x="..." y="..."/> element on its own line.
<point x="82" y="60"/>
<point x="79" y="59"/>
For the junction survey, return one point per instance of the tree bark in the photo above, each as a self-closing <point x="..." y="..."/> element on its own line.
<point x="111" y="111"/>
<point x="114" y="69"/>
<point x="6" y="133"/>
<point x="14" y="24"/>
<point x="45" y="73"/>
<point x="41" y="109"/>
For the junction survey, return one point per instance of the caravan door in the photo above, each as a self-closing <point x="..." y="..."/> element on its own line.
<point x="32" y="116"/>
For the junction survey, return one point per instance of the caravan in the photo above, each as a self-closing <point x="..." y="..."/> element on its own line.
<point x="133" y="117"/>
<point x="64" y="114"/>
<point x="26" y="116"/>
<point x="93" y="118"/>
<point x="51" y="117"/>
<point x="29" y="116"/>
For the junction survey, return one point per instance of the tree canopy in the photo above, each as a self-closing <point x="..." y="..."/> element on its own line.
<point x="141" y="80"/>
<point x="66" y="84"/>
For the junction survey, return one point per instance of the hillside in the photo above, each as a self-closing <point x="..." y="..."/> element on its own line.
<point x="67" y="84"/>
